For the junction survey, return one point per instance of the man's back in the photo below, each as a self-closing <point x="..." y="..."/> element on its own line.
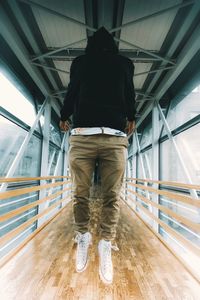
<point x="104" y="84"/>
<point x="101" y="91"/>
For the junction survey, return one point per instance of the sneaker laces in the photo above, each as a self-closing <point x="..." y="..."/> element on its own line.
<point x="114" y="247"/>
<point x="106" y="255"/>
<point x="83" y="242"/>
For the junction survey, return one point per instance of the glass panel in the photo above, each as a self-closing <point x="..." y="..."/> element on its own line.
<point x="139" y="168"/>
<point x="13" y="100"/>
<point x="53" y="157"/>
<point x="55" y="135"/>
<point x="11" y="204"/>
<point x="11" y="138"/>
<point x="182" y="111"/>
<point x="29" y="165"/>
<point x="147" y="159"/>
<point x="188" y="211"/>
<point x="146" y="136"/>
<point x="132" y="162"/>
<point x="189" y="146"/>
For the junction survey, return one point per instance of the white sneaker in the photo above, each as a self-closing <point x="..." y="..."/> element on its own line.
<point x="83" y="241"/>
<point x="105" y="263"/>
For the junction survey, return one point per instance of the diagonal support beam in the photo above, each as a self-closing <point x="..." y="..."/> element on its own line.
<point x="154" y="71"/>
<point x="150" y="97"/>
<point x="49" y="68"/>
<point x="49" y="53"/>
<point x="59" y="92"/>
<point x="145" y="51"/>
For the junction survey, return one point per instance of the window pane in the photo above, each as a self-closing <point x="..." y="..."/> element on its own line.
<point x="29" y="165"/>
<point x="9" y="205"/>
<point x="53" y="159"/>
<point x="147" y="159"/>
<point x="182" y="111"/>
<point x="146" y="136"/>
<point x="55" y="135"/>
<point x="189" y="145"/>
<point x="14" y="101"/>
<point x="11" y="138"/>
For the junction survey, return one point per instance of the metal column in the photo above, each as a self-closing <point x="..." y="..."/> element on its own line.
<point x="44" y="156"/>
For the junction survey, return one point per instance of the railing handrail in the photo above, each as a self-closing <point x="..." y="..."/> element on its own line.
<point x="176" y="196"/>
<point x="189" y="223"/>
<point x="22" y="191"/>
<point x="14" y="213"/>
<point x="168" y="183"/>
<point x="18" y="179"/>
<point x="19" y="228"/>
<point x="135" y="193"/>
<point x="23" y="208"/>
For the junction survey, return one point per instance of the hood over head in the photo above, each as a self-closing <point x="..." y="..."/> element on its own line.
<point x="101" y="42"/>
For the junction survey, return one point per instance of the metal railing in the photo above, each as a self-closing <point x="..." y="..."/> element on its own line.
<point x="15" y="221"/>
<point x="176" y="221"/>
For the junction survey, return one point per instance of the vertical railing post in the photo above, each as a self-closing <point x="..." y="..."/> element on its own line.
<point x="141" y="162"/>
<point x="44" y="156"/>
<point x="155" y="161"/>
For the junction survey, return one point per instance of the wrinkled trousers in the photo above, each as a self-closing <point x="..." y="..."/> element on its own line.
<point x="111" y="152"/>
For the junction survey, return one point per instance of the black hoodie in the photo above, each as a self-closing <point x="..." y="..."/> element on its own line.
<point x="101" y="91"/>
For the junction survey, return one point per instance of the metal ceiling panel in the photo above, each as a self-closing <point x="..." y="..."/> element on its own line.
<point x="63" y="65"/>
<point x="139" y="80"/>
<point x="58" y="31"/>
<point x="150" y="32"/>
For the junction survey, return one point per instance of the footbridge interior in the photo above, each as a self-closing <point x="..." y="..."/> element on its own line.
<point x="159" y="228"/>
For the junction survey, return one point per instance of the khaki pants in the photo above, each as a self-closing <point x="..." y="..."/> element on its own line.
<point x="111" y="153"/>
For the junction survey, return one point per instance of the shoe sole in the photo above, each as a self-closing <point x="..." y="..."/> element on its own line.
<point x="101" y="275"/>
<point x="103" y="278"/>
<point x="85" y="267"/>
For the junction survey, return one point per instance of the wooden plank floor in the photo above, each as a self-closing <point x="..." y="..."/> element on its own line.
<point x="144" y="268"/>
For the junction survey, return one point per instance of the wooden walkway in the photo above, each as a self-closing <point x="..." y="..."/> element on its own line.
<point x="144" y="268"/>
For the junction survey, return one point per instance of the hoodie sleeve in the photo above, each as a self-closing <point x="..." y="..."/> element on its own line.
<point x="130" y="93"/>
<point x="72" y="92"/>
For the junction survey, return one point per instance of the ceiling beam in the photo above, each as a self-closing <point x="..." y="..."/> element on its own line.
<point x="118" y="12"/>
<point x="70" y="53"/>
<point x="11" y="36"/>
<point x="88" y="15"/>
<point x="14" y="6"/>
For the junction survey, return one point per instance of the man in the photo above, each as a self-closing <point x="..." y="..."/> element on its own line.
<point x="101" y="98"/>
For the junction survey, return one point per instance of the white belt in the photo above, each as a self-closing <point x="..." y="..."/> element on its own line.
<point x="97" y="130"/>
